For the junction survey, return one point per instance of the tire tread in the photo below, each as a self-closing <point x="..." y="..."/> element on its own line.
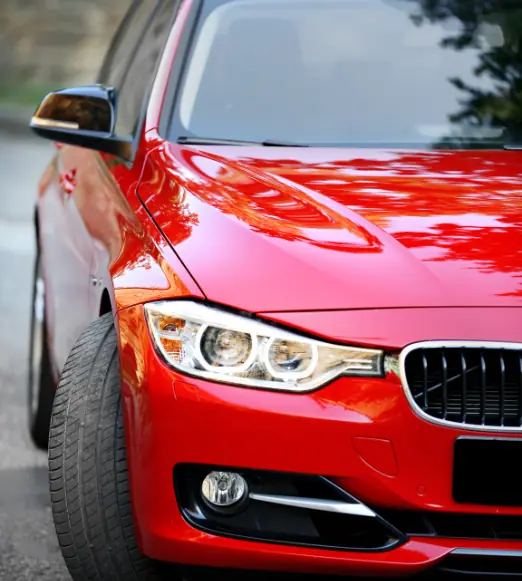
<point x="88" y="474"/>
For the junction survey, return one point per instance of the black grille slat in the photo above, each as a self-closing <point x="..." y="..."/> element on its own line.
<point x="464" y="387"/>
<point x="476" y="386"/>
<point x="520" y="390"/>
<point x="444" y="386"/>
<point x="482" y="389"/>
<point x="502" y="388"/>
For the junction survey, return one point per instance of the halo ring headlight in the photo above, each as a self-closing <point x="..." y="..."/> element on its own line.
<point x="214" y="344"/>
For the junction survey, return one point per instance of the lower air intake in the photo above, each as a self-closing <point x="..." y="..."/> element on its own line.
<point x="287" y="509"/>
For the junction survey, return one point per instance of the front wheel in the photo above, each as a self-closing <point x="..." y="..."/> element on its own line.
<point x="88" y="467"/>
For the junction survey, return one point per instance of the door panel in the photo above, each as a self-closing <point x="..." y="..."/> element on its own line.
<point x="83" y="231"/>
<point x="51" y="218"/>
<point x="67" y="257"/>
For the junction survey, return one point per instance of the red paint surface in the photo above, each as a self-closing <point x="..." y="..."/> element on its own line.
<point x="169" y="418"/>
<point x="378" y="454"/>
<point x="396" y="328"/>
<point x="310" y="229"/>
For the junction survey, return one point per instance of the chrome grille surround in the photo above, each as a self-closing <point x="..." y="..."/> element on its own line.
<point x="399" y="366"/>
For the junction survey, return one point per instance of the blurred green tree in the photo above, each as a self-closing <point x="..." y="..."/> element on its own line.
<point x="494" y="27"/>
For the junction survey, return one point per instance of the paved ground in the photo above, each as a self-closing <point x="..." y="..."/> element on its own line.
<point x="28" y="548"/>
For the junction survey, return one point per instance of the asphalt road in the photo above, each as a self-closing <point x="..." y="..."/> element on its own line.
<point x="28" y="547"/>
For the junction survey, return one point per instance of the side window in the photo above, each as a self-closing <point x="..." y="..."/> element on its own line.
<point x="125" y="41"/>
<point x="141" y="71"/>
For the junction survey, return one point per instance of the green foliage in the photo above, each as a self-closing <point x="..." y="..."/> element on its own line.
<point x="501" y="65"/>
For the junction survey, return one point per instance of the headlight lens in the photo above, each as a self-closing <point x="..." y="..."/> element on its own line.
<point x="225" y="348"/>
<point x="220" y="346"/>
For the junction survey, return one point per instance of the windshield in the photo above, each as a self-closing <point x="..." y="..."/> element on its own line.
<point x="419" y="73"/>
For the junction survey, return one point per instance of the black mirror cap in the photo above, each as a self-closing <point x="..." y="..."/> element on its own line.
<point x="90" y="108"/>
<point x="82" y="116"/>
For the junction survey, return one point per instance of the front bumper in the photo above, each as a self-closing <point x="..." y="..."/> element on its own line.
<point x="361" y="433"/>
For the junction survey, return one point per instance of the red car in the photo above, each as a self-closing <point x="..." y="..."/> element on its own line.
<point x="279" y="286"/>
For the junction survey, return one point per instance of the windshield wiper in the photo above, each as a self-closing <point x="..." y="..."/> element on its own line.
<point x="190" y="140"/>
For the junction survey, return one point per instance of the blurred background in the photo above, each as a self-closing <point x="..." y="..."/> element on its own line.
<point x="44" y="45"/>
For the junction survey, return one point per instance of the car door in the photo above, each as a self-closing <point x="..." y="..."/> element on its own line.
<point x="66" y="257"/>
<point x="66" y="236"/>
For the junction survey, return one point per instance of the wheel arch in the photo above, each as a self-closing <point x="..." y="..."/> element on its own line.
<point x="105" y="303"/>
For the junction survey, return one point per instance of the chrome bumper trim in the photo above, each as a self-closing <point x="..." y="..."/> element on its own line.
<point x="487" y="553"/>
<point x="353" y="509"/>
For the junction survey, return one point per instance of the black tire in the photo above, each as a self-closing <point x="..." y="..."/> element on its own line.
<point x="88" y="467"/>
<point x="41" y="385"/>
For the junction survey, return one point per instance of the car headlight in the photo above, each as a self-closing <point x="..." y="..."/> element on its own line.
<point x="215" y="344"/>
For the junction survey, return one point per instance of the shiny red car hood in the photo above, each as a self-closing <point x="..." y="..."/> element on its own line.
<point x="279" y="229"/>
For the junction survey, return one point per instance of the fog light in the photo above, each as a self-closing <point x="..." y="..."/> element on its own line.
<point x="223" y="489"/>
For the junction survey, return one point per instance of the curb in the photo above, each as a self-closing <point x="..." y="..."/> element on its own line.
<point x="15" y="120"/>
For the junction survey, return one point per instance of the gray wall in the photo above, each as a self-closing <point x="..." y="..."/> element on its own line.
<point x="55" y="41"/>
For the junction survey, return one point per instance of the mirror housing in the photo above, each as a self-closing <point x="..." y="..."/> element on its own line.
<point x="82" y="116"/>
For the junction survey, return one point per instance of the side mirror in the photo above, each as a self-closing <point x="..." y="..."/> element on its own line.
<point x="83" y="116"/>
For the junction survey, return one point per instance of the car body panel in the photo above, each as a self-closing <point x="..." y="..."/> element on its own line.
<point x="127" y="256"/>
<point x="337" y="431"/>
<point x="394" y="329"/>
<point x="66" y="260"/>
<point x="435" y="229"/>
